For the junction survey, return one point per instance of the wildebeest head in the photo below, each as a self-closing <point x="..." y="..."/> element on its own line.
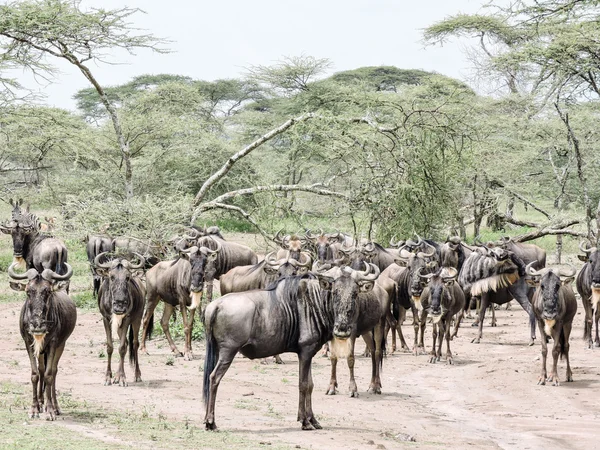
<point x="345" y="284"/>
<point x="355" y="256"/>
<point x="290" y="242"/>
<point x="118" y="273"/>
<point x="592" y="258"/>
<point x="549" y="282"/>
<point x="288" y="266"/>
<point x="23" y="228"/>
<point x="40" y="311"/>
<point x="439" y="294"/>
<point x="322" y="244"/>
<point x="201" y="261"/>
<point x="418" y="263"/>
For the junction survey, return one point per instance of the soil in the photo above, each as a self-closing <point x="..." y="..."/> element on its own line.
<point x="489" y="397"/>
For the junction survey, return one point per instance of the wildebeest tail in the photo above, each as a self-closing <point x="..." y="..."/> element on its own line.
<point x="212" y="353"/>
<point x="395" y="303"/>
<point x="150" y="328"/>
<point x="562" y="342"/>
<point x="61" y="258"/>
<point x="131" y="352"/>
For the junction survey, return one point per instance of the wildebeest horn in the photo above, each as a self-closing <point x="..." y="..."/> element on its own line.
<point x="586" y="250"/>
<point x="529" y="270"/>
<point x="470" y="247"/>
<point x="276" y="238"/>
<point x="567" y="273"/>
<point x="369" y="246"/>
<point x="309" y="235"/>
<point x="307" y="259"/>
<point x="30" y="274"/>
<point x="411" y="243"/>
<point x="370" y="274"/>
<point x="100" y="265"/>
<point x="270" y="260"/>
<point x="452" y="271"/>
<point x="430" y="254"/>
<point x="192" y="249"/>
<point x="140" y="264"/>
<point x="322" y="267"/>
<point x="396" y="244"/>
<point x="50" y="275"/>
<point x="428" y="276"/>
<point x="454" y="240"/>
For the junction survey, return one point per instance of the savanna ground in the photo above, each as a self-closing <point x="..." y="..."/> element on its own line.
<point x="487" y="399"/>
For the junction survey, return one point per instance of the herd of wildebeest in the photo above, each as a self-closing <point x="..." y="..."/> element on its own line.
<point x="318" y="291"/>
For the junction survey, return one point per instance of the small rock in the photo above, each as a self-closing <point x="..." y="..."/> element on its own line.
<point x="370" y="442"/>
<point x="247" y="394"/>
<point x="381" y="446"/>
<point x="405" y="437"/>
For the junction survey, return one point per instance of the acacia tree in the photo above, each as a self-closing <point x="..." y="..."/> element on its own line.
<point x="32" y="32"/>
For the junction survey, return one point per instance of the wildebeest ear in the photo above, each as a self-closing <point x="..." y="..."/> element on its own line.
<point x="59" y="286"/>
<point x="366" y="286"/>
<point x="449" y="282"/>
<point x="213" y="256"/>
<point x="583" y="258"/>
<point x="535" y="282"/>
<point x="5" y="230"/>
<point x="567" y="281"/>
<point x="102" y="272"/>
<point x="17" y="286"/>
<point x="325" y="283"/>
<point x="400" y="262"/>
<point x="269" y="270"/>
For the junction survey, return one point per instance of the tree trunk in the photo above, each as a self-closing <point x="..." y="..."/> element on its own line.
<point x="559" y="245"/>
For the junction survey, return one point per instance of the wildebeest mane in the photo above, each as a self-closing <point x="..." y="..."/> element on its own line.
<point x="483" y="273"/>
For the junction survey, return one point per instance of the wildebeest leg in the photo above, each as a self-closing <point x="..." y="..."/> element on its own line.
<point x="587" y="326"/>
<point x="377" y="359"/>
<point x="226" y="356"/>
<point x="41" y="386"/>
<point x="333" y="380"/>
<point x="325" y="350"/>
<point x="188" y="323"/>
<point x="57" y="355"/>
<point x="49" y="377"/>
<point x="443" y="327"/>
<point x="353" y="390"/>
<point x="434" y="333"/>
<point x="35" y="379"/>
<point x="308" y="400"/>
<point x="544" y="374"/>
<point x="135" y="325"/>
<point x="493" y="323"/>
<point x="152" y="301"/>
<point x="399" y="323"/>
<point x="109" y="351"/>
<point x="423" y="325"/>
<point x="448" y="339"/>
<point x="416" y="327"/>
<point x="477" y="311"/>
<point x="391" y="325"/>
<point x="164" y="323"/>
<point x="556" y="331"/>
<point x="596" y="319"/>
<point x="120" y="378"/>
<point x="458" y="320"/>
<point x="482" y="308"/>
<point x="567" y="335"/>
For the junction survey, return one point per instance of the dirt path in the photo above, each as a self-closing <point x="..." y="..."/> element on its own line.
<point x="488" y="399"/>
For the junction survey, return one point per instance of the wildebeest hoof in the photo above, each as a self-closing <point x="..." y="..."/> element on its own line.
<point x="432" y="360"/>
<point x="315" y="423"/>
<point x="306" y="425"/>
<point x="475" y="341"/>
<point x="493" y="324"/>
<point x="331" y="391"/>
<point x="353" y="394"/>
<point x="50" y="415"/>
<point x="597" y="344"/>
<point x="278" y="360"/>
<point x="188" y="356"/>
<point x="177" y="353"/>
<point x="375" y="390"/>
<point x="569" y="378"/>
<point x="541" y="381"/>
<point x="107" y="382"/>
<point x="138" y="379"/>
<point x="211" y="426"/>
<point x="475" y="324"/>
<point x="449" y="360"/>
<point x="34" y="413"/>
<point x="144" y="350"/>
<point x="531" y="342"/>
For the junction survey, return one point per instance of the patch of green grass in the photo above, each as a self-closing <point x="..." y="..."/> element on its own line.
<point x="176" y="327"/>
<point x="85" y="300"/>
<point x="245" y="404"/>
<point x="235" y="225"/>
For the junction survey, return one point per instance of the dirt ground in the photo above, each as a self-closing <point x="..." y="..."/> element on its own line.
<point x="487" y="399"/>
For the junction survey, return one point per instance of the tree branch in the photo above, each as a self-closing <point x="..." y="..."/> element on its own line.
<point x="213" y="205"/>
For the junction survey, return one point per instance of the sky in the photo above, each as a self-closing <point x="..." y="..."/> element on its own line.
<point x="221" y="39"/>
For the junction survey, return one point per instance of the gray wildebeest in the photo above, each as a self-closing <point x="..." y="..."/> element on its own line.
<point x="94" y="245"/>
<point x="291" y="245"/>
<point x="48" y="318"/>
<point x="296" y="314"/>
<point x="121" y="302"/>
<point x="179" y="283"/>
<point x="497" y="275"/>
<point x="444" y="299"/>
<point x="373" y="307"/>
<point x="588" y="286"/>
<point x="554" y="305"/>
<point x="411" y="285"/>
<point x="32" y="249"/>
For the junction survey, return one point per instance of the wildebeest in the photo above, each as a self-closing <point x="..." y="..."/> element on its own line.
<point x="369" y="251"/>
<point x="128" y="247"/>
<point x="411" y="285"/>
<point x="47" y="319"/>
<point x="291" y="245"/>
<point x="94" y="245"/>
<point x="373" y="307"/>
<point x="32" y="249"/>
<point x="296" y="314"/>
<point x="554" y="305"/>
<point x="497" y="275"/>
<point x="262" y="274"/>
<point x="393" y="272"/>
<point x="588" y="286"/>
<point x="121" y="303"/>
<point x="443" y="298"/>
<point x="179" y="283"/>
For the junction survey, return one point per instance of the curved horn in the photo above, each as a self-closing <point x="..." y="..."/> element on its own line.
<point x="277" y="238"/>
<point x="370" y="274"/>
<point x="586" y="250"/>
<point x="270" y="260"/>
<point x="426" y="277"/>
<point x="31" y="273"/>
<point x="429" y="255"/>
<point x="100" y="265"/>
<point x="322" y="267"/>
<point x="454" y="240"/>
<point x="141" y="264"/>
<point x="307" y="259"/>
<point x="369" y="246"/>
<point x="411" y="243"/>
<point x="529" y="270"/>
<point x="452" y="273"/>
<point x="309" y="235"/>
<point x="50" y="275"/>
<point x="192" y="249"/>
